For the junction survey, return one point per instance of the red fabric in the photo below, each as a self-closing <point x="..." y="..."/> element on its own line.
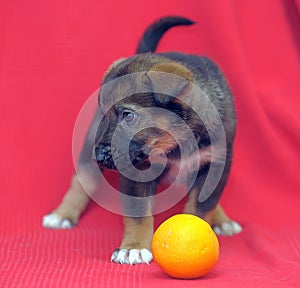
<point x="52" y="56"/>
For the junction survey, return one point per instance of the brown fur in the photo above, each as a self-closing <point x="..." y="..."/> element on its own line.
<point x="180" y="75"/>
<point x="163" y="139"/>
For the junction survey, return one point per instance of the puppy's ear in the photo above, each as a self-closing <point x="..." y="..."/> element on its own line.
<point x="112" y="67"/>
<point x="169" y="81"/>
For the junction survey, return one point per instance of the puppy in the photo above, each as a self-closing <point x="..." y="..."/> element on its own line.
<point x="162" y="117"/>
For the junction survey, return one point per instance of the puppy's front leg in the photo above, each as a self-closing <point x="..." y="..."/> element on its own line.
<point x="137" y="233"/>
<point x="138" y="222"/>
<point x="136" y="244"/>
<point x="83" y="184"/>
<point x="67" y="214"/>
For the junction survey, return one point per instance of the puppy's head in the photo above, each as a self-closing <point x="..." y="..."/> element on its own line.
<point x="144" y="115"/>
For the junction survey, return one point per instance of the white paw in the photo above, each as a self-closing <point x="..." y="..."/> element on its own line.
<point x="55" y="221"/>
<point x="132" y="256"/>
<point x="228" y="228"/>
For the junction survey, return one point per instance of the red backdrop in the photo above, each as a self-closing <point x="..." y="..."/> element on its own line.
<point x="52" y="57"/>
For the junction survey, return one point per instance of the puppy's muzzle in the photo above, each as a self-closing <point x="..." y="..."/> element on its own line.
<point x="105" y="156"/>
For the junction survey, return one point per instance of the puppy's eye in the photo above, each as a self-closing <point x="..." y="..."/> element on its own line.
<point x="128" y="116"/>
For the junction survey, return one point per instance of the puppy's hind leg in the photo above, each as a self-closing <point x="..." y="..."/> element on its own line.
<point x="216" y="217"/>
<point x="210" y="210"/>
<point x="223" y="225"/>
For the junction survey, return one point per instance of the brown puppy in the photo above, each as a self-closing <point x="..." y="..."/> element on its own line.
<point x="162" y="117"/>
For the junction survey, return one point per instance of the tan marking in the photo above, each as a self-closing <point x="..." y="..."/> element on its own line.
<point x="219" y="216"/>
<point x="191" y="204"/>
<point x="209" y="216"/>
<point x="112" y="67"/>
<point x="137" y="233"/>
<point x="216" y="216"/>
<point x="74" y="202"/>
<point x="173" y="68"/>
<point x="191" y="208"/>
<point x="166" y="143"/>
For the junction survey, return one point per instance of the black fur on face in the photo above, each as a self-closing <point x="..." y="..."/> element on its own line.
<point x="131" y="114"/>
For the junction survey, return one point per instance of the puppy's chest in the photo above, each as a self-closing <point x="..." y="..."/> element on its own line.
<point x="179" y="170"/>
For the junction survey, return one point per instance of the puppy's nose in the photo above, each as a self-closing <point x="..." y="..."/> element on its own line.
<point x="103" y="154"/>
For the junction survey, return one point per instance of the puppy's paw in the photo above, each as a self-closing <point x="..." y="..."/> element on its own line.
<point x="56" y="221"/>
<point x="228" y="228"/>
<point x="132" y="256"/>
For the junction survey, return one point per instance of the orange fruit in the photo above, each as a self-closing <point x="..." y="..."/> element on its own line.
<point x="185" y="246"/>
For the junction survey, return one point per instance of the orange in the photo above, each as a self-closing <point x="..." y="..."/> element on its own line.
<point x="185" y="246"/>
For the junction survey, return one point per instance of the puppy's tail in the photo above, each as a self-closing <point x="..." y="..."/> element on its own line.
<point x="155" y="31"/>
